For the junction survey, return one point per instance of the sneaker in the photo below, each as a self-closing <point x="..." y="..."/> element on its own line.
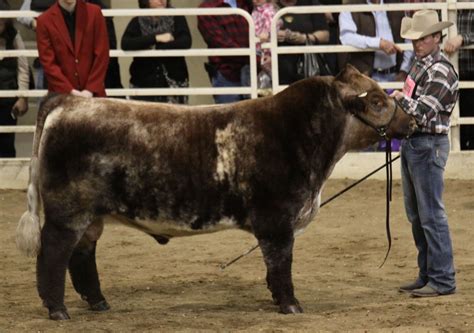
<point x="409" y="287"/>
<point x="428" y="291"/>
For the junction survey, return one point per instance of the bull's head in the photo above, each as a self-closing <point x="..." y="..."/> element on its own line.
<point x="374" y="114"/>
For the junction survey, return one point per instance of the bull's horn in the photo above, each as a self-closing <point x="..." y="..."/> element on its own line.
<point x="363" y="94"/>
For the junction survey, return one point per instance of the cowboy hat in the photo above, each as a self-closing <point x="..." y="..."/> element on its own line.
<point x="423" y="23"/>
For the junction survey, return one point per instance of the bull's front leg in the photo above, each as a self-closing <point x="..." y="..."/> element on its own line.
<point x="278" y="255"/>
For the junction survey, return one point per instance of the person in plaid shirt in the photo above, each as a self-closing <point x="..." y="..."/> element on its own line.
<point x="226" y="31"/>
<point x="429" y="94"/>
<point x="465" y="23"/>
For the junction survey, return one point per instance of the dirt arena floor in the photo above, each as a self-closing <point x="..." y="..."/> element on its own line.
<point x="179" y="286"/>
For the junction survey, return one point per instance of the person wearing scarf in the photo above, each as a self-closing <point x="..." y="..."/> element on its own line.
<point x="158" y="33"/>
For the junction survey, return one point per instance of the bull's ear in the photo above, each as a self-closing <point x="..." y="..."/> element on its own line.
<point x="346" y="74"/>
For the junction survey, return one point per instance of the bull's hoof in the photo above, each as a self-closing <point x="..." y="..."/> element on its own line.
<point x="101" y="306"/>
<point x="59" y="315"/>
<point x="293" y="308"/>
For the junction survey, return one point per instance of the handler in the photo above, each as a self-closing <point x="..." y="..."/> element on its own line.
<point x="430" y="93"/>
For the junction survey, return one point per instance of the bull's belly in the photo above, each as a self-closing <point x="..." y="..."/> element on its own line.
<point x="170" y="228"/>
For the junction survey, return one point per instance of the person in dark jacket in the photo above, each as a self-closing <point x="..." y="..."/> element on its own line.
<point x="296" y="29"/>
<point x="160" y="33"/>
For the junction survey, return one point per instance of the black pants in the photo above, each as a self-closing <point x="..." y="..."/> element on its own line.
<point x="7" y="140"/>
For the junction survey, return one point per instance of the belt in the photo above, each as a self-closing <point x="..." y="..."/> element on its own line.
<point x="420" y="134"/>
<point x="386" y="71"/>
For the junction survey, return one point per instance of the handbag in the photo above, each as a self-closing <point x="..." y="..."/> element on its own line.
<point x="312" y="64"/>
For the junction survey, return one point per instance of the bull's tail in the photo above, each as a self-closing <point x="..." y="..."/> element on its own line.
<point x="28" y="232"/>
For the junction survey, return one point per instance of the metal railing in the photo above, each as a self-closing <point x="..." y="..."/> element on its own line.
<point x="448" y="12"/>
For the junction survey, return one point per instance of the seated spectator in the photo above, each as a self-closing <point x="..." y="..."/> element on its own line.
<point x="14" y="74"/>
<point x="226" y="31"/>
<point x="378" y="30"/>
<point x="295" y="30"/>
<point x="160" y="33"/>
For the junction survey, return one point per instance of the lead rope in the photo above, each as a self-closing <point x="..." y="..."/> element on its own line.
<point x="388" y="172"/>
<point x="388" y="165"/>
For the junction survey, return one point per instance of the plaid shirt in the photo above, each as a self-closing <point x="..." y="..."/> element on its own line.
<point x="225" y="31"/>
<point x="435" y="95"/>
<point x="466" y="30"/>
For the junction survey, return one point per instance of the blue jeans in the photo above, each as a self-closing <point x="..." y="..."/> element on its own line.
<point x="220" y="81"/>
<point x="423" y="159"/>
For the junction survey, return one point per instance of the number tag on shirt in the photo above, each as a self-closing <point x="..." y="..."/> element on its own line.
<point x="409" y="86"/>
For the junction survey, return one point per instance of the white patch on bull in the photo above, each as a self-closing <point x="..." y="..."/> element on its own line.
<point x="171" y="228"/>
<point x="227" y="153"/>
<point x="307" y="213"/>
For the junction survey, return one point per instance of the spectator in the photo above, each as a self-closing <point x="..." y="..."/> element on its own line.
<point x="226" y="31"/>
<point x="378" y="30"/>
<point x="262" y="14"/>
<point x="465" y="24"/>
<point x="429" y="94"/>
<point x="112" y="79"/>
<point x="161" y="33"/>
<point x="73" y="48"/>
<point x="14" y="74"/>
<point x="296" y="29"/>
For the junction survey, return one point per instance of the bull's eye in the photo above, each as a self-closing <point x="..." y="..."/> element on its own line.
<point x="378" y="103"/>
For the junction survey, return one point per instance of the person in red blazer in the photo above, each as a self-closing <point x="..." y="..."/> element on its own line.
<point x="73" y="48"/>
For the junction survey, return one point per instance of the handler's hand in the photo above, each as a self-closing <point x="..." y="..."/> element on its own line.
<point x="397" y="94"/>
<point x="453" y="44"/>
<point x="87" y="93"/>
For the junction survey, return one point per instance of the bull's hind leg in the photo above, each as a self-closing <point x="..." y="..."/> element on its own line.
<point x="278" y="254"/>
<point x="57" y="244"/>
<point x="83" y="268"/>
